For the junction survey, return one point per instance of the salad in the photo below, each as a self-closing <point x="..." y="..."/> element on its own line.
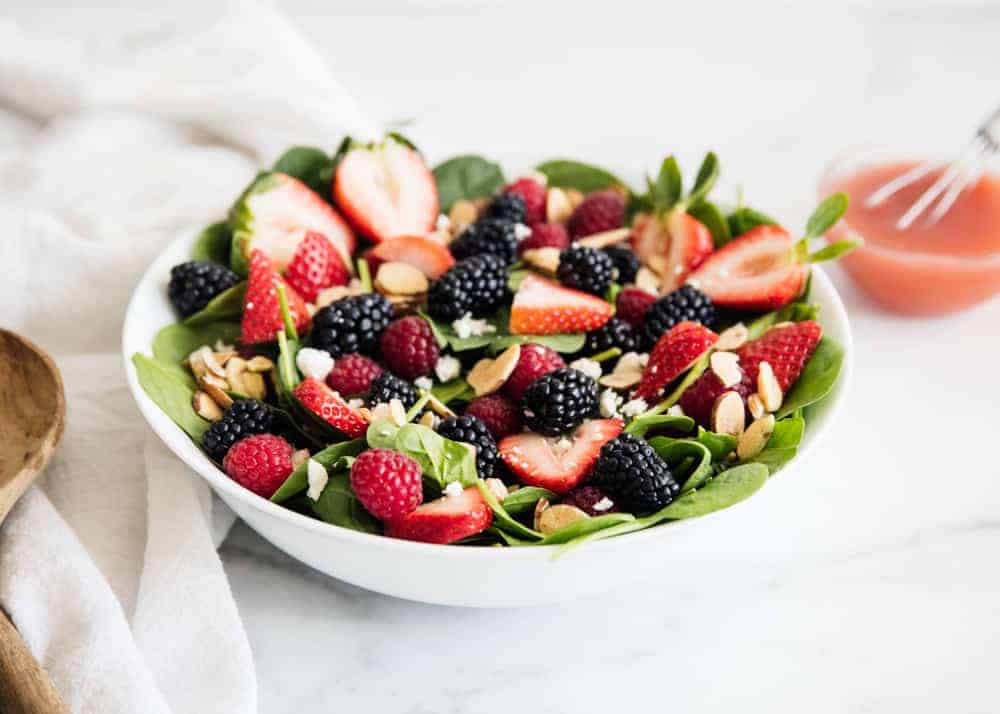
<point x="452" y="357"/>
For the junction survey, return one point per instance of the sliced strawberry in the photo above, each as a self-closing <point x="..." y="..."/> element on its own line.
<point x="386" y="190"/>
<point x="553" y="464"/>
<point x="331" y="408"/>
<point x="446" y="520"/>
<point x="760" y="270"/>
<point x="544" y="307"/>
<point x="272" y="216"/>
<point x="426" y="255"/>
<point x="261" y="307"/>
<point x="316" y="265"/>
<point x="786" y="348"/>
<point x="673" y="245"/>
<point x="674" y="353"/>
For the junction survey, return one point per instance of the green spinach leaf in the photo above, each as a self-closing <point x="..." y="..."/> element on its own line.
<point x="745" y="218"/>
<point x="583" y="528"/>
<point x="173" y="344"/>
<point x="817" y="379"/>
<point x="523" y="500"/>
<point x="503" y="521"/>
<point x="314" y="167"/>
<point x="640" y="425"/>
<point x="711" y="217"/>
<point x="170" y="393"/>
<point x="338" y="505"/>
<point x="298" y="481"/>
<point x="213" y="243"/>
<point x="689" y="460"/>
<point x="729" y="487"/>
<point x="467" y="177"/>
<point x="566" y="173"/>
<point x="455" y="390"/>
<point x="227" y="305"/>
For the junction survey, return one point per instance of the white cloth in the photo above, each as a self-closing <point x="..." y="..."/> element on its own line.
<point x="108" y="148"/>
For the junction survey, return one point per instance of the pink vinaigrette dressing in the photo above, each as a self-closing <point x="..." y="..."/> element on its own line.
<point x="926" y="269"/>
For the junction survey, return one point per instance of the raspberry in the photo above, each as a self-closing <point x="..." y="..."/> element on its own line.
<point x="409" y="348"/>
<point x="534" y="196"/>
<point x="259" y="463"/>
<point x="352" y="375"/>
<point x="535" y="361"/>
<point x="559" y="402"/>
<point x="632" y="305"/>
<point x="586" y="269"/>
<point x="498" y="413"/>
<point x="599" y="212"/>
<point x="388" y="483"/>
<point x="631" y="471"/>
<point x="698" y="399"/>
<point x="592" y="500"/>
<point x="193" y="284"/>
<point x="545" y="235"/>
<point x="507" y="207"/>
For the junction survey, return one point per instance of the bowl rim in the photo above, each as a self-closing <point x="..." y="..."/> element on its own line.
<point x="183" y="447"/>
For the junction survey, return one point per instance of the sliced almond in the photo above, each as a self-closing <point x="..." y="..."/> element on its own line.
<point x="732" y="338"/>
<point x="235" y="369"/>
<point x="545" y="259"/>
<point x="205" y="407"/>
<point x="605" y="239"/>
<point x="211" y="363"/>
<point x="405" y="304"/>
<point x="439" y="407"/>
<point x="215" y="388"/>
<point x="540" y="505"/>
<point x="488" y="375"/>
<point x="260" y="363"/>
<point x="726" y="366"/>
<point x="621" y="380"/>
<point x="559" y="516"/>
<point x="756" y="406"/>
<point x="659" y="265"/>
<point x="427" y="419"/>
<point x="397" y="412"/>
<point x="462" y="213"/>
<point x="498" y="488"/>
<point x="299" y="457"/>
<point x="396" y="278"/>
<point x="768" y="387"/>
<point x="558" y="207"/>
<point x="196" y="362"/>
<point x="254" y="385"/>
<point x="729" y="414"/>
<point x="366" y="414"/>
<point x="755" y="438"/>
<point x="647" y="280"/>
<point x="575" y="197"/>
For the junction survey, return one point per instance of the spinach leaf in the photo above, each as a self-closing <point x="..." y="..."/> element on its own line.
<point x="708" y="174"/>
<point x="507" y="537"/>
<point x="213" y="243"/>
<point x="640" y="425"/>
<point x="690" y="461"/>
<point x="745" y="218"/>
<point x="523" y="500"/>
<point x="566" y="343"/>
<point x="711" y="217"/>
<point x="338" y="505"/>
<point x="288" y="373"/>
<point x="445" y="335"/>
<point x="721" y="445"/>
<point x="516" y="277"/>
<point x="455" y="390"/>
<point x="667" y="188"/>
<point x="729" y="487"/>
<point x="502" y="520"/>
<point x="566" y="173"/>
<point x="298" y="480"/>
<point x="817" y="379"/>
<point x="227" y="305"/>
<point x="787" y="433"/>
<point x="467" y="177"/>
<point x="826" y="215"/>
<point x="441" y="460"/>
<point x="314" y="167"/>
<point x="834" y="250"/>
<point x="170" y="394"/>
<point x="585" y="527"/>
<point x="381" y="434"/>
<point x="174" y="343"/>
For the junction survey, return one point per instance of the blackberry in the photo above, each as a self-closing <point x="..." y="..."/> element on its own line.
<point x="388" y="386"/>
<point x="586" y="269"/>
<point x="470" y="430"/>
<point x="615" y="333"/>
<point x="351" y="325"/>
<point x="194" y="283"/>
<point x="626" y="263"/>
<point x="634" y="475"/>
<point x="477" y="285"/>
<point x="244" y="418"/>
<point x="685" y="303"/>
<point x="508" y="207"/>
<point x="487" y="236"/>
<point x="559" y="401"/>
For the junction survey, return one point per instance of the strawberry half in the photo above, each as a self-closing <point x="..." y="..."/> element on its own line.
<point x="323" y="401"/>
<point x="679" y="348"/>
<point x="549" y="463"/>
<point x="544" y="307"/>
<point x="673" y="245"/>
<point x="426" y="255"/>
<point x="786" y="348"/>
<point x="261" y="307"/>
<point x="386" y="190"/>
<point x="316" y="265"/>
<point x="445" y="520"/>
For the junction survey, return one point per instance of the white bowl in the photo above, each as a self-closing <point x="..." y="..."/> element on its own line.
<point x="449" y="575"/>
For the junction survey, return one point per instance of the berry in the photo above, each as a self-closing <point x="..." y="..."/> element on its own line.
<point x="508" y="207"/>
<point x="352" y="375"/>
<point x="475" y="285"/>
<point x="534" y="195"/>
<point x="426" y="255"/>
<point x="545" y="235"/>
<point x="600" y="211"/>
<point x="316" y="265"/>
<point x="632" y="304"/>
<point x="388" y="386"/>
<point x="615" y="333"/>
<point x="470" y="430"/>
<point x="558" y="465"/>
<point x="787" y="349"/>
<point x="544" y="307"/>
<point x="261" y="307"/>
<point x="409" y="348"/>
<point x="260" y="463"/>
<point x="244" y="418"/>
<point x="388" y="484"/>
<point x="687" y="303"/>
<point x="193" y="284"/>
<point x="673" y="355"/>
<point x="698" y="400"/>
<point x="630" y="470"/>
<point x="351" y="324"/>
<point x="446" y="520"/>
<point x="625" y="262"/>
<point x="559" y="402"/>
<point x="586" y="269"/>
<point x="500" y="415"/>
<point x="487" y="236"/>
<point x="592" y="500"/>
<point x="678" y="241"/>
<point x="330" y="407"/>
<point x="534" y="362"/>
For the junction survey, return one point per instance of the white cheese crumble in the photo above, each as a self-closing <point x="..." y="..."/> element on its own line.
<point x="424" y="383"/>
<point x="447" y="368"/>
<point x="467" y="326"/>
<point x="521" y="231"/>
<point x="453" y="489"/>
<point x="609" y="403"/>
<point x="588" y="366"/>
<point x="603" y="505"/>
<point x="318" y="478"/>
<point x="630" y="362"/>
<point x="313" y="363"/>
<point x="563" y="445"/>
<point x="443" y="223"/>
<point x="675" y="410"/>
<point x="634" y="407"/>
<point x="356" y="403"/>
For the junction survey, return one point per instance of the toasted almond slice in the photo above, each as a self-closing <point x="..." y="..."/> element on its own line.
<point x="253" y="383"/>
<point x="498" y="488"/>
<point x="559" y="516"/>
<point x="405" y="304"/>
<point x="396" y="278"/>
<point x="546" y="259"/>
<point x="366" y="414"/>
<point x="205" y="407"/>
<point x="755" y="438"/>
<point x="605" y="238"/>
<point x="558" y="207"/>
<point x="728" y="414"/>
<point x="211" y="363"/>
<point x="427" y="419"/>
<point x="756" y="406"/>
<point x="488" y="375"/>
<point x="726" y="366"/>
<point x="768" y="387"/>
<point x="462" y="213"/>
<point x="732" y="338"/>
<point x="621" y="380"/>
<point x="260" y="363"/>
<point x="540" y="505"/>
<point x="575" y="197"/>
<point x="196" y="361"/>
<point x="235" y="369"/>
<point x="439" y="407"/>
<point x="215" y="388"/>
<point x="299" y="457"/>
<point x="397" y="412"/>
<point x="659" y="265"/>
<point x="647" y="280"/>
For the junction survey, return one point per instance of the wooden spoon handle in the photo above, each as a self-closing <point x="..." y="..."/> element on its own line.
<point x="25" y="688"/>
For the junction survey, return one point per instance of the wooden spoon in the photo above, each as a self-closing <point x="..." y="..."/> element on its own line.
<point x="32" y="415"/>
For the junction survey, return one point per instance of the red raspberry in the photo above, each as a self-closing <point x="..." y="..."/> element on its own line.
<point x="388" y="484"/>
<point x="591" y="500"/>
<point x="698" y="399"/>
<point x="498" y="413"/>
<point x="535" y="361"/>
<point x="545" y="235"/>
<point x="632" y="304"/>
<point x="533" y="194"/>
<point x="260" y="463"/>
<point x="352" y="375"/>
<point x="409" y="348"/>
<point x="600" y="211"/>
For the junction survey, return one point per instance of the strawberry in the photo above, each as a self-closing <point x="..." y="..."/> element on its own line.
<point x="331" y="408"/>
<point x="673" y="245"/>
<point x="786" y="348"/>
<point x="261" y="308"/>
<point x="544" y="307"/>
<point x="386" y="190"/>
<point x="534" y="195"/>
<point x="674" y="353"/>
<point x="552" y="463"/>
<point x="446" y="520"/>
<point x="316" y="265"/>
<point x="426" y="255"/>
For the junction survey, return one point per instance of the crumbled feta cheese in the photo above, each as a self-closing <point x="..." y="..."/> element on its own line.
<point x="454" y="488"/>
<point x="675" y="410"/>
<point x="634" y="407"/>
<point x="629" y="362"/>
<point x="443" y="223"/>
<point x="381" y="411"/>
<point x="588" y="366"/>
<point x="563" y="445"/>
<point x="609" y="403"/>
<point x="521" y="231"/>
<point x="314" y="363"/>
<point x="318" y="478"/>
<point x="467" y="326"/>
<point x="424" y="383"/>
<point x="355" y="403"/>
<point x="447" y="368"/>
<point x="603" y="505"/>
